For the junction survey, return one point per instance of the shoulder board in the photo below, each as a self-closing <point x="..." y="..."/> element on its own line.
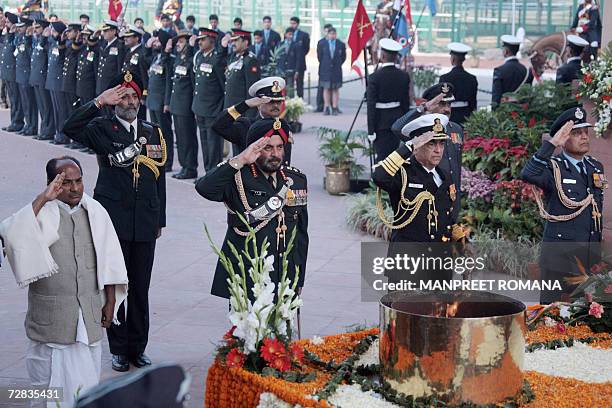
<point x="292" y="169"/>
<point x="150" y="124"/>
<point x="594" y="162"/>
<point x="222" y="163"/>
<point x="557" y="159"/>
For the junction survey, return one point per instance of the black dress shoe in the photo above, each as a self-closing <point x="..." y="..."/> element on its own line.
<point x="327" y="111"/>
<point x="120" y="363"/>
<point x="31" y="133"/>
<point x="141" y="360"/>
<point x="5" y="128"/>
<point x="21" y="132"/>
<point x="184" y="175"/>
<point x="43" y="137"/>
<point x="14" y="129"/>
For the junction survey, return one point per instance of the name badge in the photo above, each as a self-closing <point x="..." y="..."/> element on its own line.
<point x="414" y="185"/>
<point x="16" y="52"/>
<point x="181" y="70"/>
<point x="90" y="56"/>
<point x="113" y="51"/>
<point x="206" y="68"/>
<point x="258" y="193"/>
<point x="157" y="69"/>
<point x="569" y="181"/>
<point x="22" y="48"/>
<point x="134" y="59"/>
<point x="39" y="47"/>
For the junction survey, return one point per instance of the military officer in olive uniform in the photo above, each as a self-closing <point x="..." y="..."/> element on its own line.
<point x="570" y="70"/>
<point x="272" y="197"/>
<point x="573" y="184"/>
<point x="54" y="83"/>
<point x="388" y="98"/>
<point x="136" y="60"/>
<point x="158" y="100"/>
<point x="181" y="95"/>
<point x="439" y="98"/>
<point x="512" y="74"/>
<point x="131" y="186"/>
<point x="8" y="73"/>
<point x="267" y="97"/>
<point x="242" y="72"/>
<point x="209" y="91"/>
<point x="69" y="70"/>
<point x="464" y="83"/>
<point x="112" y="54"/>
<point x="38" y="76"/>
<point x="23" y="50"/>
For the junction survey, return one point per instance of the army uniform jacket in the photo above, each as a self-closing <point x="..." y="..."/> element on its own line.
<point x="23" y="49"/>
<point x="209" y="89"/>
<point x="7" y="71"/>
<point x="160" y="74"/>
<point x="86" y="72"/>
<point x="508" y="78"/>
<point x="69" y="70"/>
<point x="451" y="158"/>
<point x="419" y="180"/>
<point x="181" y="85"/>
<point x="56" y="52"/>
<point x="388" y="97"/>
<point x="241" y="73"/>
<point x="569" y="71"/>
<point x="137" y="212"/>
<point x="220" y="185"/>
<point x="38" y="61"/>
<point x="110" y="63"/>
<point x="466" y="93"/>
<point x="538" y="171"/>
<point x="138" y="61"/>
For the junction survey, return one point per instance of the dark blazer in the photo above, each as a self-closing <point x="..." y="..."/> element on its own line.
<point x="138" y="61"/>
<point x="302" y="42"/>
<point x="330" y="69"/>
<point x="508" y="78"/>
<point x="23" y="46"/>
<point x="111" y="62"/>
<point x="160" y="74"/>
<point x="7" y="58"/>
<point x="71" y="61"/>
<point x="289" y="60"/>
<point x="56" y="53"/>
<point x="385" y="85"/>
<point x="569" y="71"/>
<point x="86" y="73"/>
<point x="137" y="213"/>
<point x="263" y="56"/>
<point x="181" y="85"/>
<point x="274" y="39"/>
<point x="219" y="185"/>
<point x="466" y="91"/>
<point x="209" y="88"/>
<point x="242" y="72"/>
<point x="38" y="61"/>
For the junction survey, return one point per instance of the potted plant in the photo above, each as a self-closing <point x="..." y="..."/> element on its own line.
<point x="338" y="154"/>
<point x="294" y="108"/>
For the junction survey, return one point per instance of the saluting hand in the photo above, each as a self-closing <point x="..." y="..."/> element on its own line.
<point x="562" y="134"/>
<point x="169" y="46"/>
<point x="54" y="188"/>
<point x="252" y="152"/>
<point x="422" y="140"/>
<point x="111" y="96"/>
<point x="429" y="105"/>
<point x="257" y="101"/>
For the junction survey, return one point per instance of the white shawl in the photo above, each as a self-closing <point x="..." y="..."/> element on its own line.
<point x="27" y="239"/>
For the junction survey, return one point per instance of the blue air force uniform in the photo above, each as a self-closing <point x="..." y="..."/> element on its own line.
<point x="38" y="76"/>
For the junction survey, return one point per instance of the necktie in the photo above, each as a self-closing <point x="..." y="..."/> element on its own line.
<point x="271" y="181"/>
<point x="132" y="135"/>
<point x="583" y="172"/>
<point x="332" y="48"/>
<point x="266" y="35"/>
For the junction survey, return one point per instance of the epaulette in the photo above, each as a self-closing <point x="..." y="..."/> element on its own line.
<point x="146" y="122"/>
<point x="294" y="170"/>
<point x="594" y="162"/>
<point x="222" y="163"/>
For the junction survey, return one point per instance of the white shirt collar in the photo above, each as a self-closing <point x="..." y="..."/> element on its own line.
<point x="573" y="59"/>
<point x="67" y="208"/>
<point x="134" y="47"/>
<point x="513" y="57"/>
<point x="387" y="64"/>
<point x="127" y="124"/>
<point x="111" y="43"/>
<point x="436" y="176"/>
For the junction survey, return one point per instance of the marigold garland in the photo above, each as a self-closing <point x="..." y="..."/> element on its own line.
<point x="228" y="387"/>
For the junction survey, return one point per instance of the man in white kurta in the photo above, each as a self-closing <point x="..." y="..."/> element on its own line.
<point x="64" y="248"/>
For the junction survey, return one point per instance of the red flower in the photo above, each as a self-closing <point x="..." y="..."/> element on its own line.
<point x="514" y="114"/>
<point x="596" y="310"/>
<point x="229" y="336"/>
<point x="297" y="351"/>
<point x="561" y="328"/>
<point x="532" y="122"/>
<point x="608" y="289"/>
<point x="271" y="349"/>
<point x="607" y="98"/>
<point x="282" y="363"/>
<point x="235" y="358"/>
<point x="587" y="78"/>
<point x="599" y="267"/>
<point x="578" y="98"/>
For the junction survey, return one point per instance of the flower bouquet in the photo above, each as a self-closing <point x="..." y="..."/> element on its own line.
<point x="262" y="315"/>
<point x="596" y="86"/>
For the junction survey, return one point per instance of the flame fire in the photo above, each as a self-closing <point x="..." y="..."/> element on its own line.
<point x="446" y="309"/>
<point x="451" y="310"/>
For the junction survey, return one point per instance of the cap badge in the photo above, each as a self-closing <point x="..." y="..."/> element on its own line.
<point x="277" y="124"/>
<point x="445" y="88"/>
<point x="437" y="127"/>
<point x="579" y="115"/>
<point x="275" y="87"/>
<point x="128" y="77"/>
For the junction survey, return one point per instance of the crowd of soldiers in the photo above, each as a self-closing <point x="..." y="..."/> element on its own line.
<point x="189" y="75"/>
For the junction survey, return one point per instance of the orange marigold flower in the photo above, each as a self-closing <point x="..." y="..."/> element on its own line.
<point x="271" y="349"/>
<point x="235" y="358"/>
